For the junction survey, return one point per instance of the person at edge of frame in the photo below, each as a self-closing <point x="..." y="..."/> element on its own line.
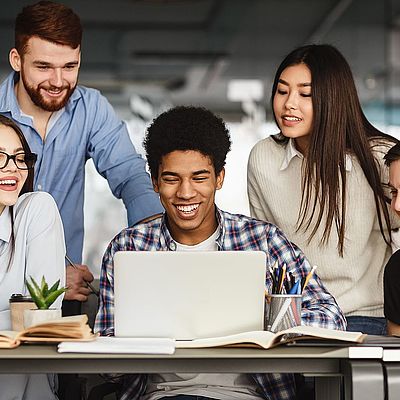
<point x="66" y="124"/>
<point x="29" y="223"/>
<point x="391" y="277"/>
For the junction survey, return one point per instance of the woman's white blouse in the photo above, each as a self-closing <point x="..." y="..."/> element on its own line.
<point x="39" y="248"/>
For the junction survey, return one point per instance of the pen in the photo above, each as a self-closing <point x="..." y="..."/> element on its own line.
<point x="282" y="277"/>
<point x="273" y="270"/>
<point x="295" y="288"/>
<point x="287" y="282"/>
<point x="89" y="285"/>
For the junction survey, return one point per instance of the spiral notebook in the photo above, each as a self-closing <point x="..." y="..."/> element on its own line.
<point x="188" y="295"/>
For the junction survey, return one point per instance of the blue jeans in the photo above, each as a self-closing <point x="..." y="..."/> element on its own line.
<point x="369" y="325"/>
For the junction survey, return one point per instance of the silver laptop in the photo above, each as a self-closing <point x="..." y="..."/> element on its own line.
<point x="188" y="295"/>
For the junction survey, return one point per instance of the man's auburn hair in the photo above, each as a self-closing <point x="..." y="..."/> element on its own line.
<point x="49" y="21"/>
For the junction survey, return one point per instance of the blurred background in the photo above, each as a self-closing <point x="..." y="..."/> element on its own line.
<point x="148" y="55"/>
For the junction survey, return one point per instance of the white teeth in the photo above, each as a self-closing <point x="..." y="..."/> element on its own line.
<point x="8" y="182"/>
<point x="292" y="118"/>
<point x="188" y="209"/>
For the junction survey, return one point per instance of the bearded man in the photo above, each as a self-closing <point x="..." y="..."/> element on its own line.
<point x="66" y="124"/>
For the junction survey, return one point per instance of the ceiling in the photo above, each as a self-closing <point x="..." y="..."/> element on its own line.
<point x="186" y="51"/>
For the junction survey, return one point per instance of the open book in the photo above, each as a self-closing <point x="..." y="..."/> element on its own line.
<point x="260" y="339"/>
<point x="74" y="328"/>
<point x="267" y="340"/>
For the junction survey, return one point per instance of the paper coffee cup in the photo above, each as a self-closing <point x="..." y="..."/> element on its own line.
<point x="19" y="303"/>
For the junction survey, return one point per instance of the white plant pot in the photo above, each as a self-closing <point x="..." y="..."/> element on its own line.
<point x="34" y="317"/>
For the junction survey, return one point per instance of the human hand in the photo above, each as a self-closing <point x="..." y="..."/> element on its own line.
<point x="76" y="280"/>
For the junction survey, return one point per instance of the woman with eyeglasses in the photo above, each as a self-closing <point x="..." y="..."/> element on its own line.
<point x="31" y="244"/>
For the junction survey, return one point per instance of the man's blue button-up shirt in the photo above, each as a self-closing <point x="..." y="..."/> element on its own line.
<point x="86" y="128"/>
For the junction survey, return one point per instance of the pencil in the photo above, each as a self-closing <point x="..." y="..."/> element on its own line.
<point x="282" y="277"/>
<point x="89" y="285"/>
<point x="274" y="279"/>
<point x="308" y="277"/>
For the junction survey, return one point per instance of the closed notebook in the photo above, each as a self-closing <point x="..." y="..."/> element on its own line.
<point x="188" y="295"/>
<point x="113" y="345"/>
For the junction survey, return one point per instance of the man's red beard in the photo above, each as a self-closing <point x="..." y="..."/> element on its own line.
<point x="47" y="105"/>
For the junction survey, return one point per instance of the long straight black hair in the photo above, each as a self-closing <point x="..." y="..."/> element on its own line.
<point x="28" y="185"/>
<point x="339" y="127"/>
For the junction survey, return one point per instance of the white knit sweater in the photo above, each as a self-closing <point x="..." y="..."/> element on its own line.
<point x="356" y="280"/>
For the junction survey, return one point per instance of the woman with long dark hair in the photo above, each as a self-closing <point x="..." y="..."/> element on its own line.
<point x="31" y="244"/>
<point x="320" y="180"/>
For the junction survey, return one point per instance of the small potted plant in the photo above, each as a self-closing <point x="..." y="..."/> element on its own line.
<point x="44" y="297"/>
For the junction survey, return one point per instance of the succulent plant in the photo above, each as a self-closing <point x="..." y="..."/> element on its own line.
<point x="42" y="295"/>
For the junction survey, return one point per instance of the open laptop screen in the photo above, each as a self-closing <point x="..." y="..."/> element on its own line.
<point x="188" y="295"/>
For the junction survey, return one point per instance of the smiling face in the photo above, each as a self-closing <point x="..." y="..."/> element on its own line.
<point x="12" y="179"/>
<point x="292" y="104"/>
<point x="186" y="184"/>
<point x="49" y="74"/>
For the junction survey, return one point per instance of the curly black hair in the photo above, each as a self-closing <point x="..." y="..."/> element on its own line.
<point x="187" y="128"/>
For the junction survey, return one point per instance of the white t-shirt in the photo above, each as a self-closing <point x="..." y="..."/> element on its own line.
<point x="39" y="250"/>
<point x="216" y="386"/>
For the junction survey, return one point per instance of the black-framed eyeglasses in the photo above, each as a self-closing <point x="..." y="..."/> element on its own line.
<point x="21" y="160"/>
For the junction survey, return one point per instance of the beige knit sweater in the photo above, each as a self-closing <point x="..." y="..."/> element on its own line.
<point x="356" y="280"/>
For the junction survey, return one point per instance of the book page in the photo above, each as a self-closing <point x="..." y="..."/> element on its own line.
<point x="263" y="339"/>
<point x="74" y="328"/>
<point x="266" y="339"/>
<point x="64" y="322"/>
<point x="57" y="331"/>
<point x="304" y="332"/>
<point x="8" y="339"/>
<point x="49" y="332"/>
<point x="66" y="328"/>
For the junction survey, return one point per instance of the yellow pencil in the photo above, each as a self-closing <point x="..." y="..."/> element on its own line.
<point x="283" y="276"/>
<point x="308" y="277"/>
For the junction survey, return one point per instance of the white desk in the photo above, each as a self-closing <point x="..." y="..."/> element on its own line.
<point x="363" y="375"/>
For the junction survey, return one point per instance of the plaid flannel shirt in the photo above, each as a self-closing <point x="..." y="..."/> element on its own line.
<point x="236" y="232"/>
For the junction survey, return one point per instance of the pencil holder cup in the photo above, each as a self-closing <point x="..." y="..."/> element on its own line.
<point x="282" y="311"/>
